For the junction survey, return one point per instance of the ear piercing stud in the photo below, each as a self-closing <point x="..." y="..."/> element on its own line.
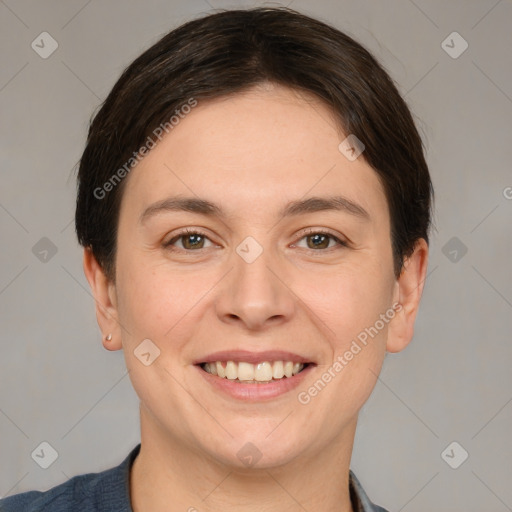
<point x="109" y="337"/>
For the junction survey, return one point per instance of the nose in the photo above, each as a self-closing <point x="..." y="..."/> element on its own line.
<point x="256" y="294"/>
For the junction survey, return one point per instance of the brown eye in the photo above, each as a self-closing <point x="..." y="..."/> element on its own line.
<point x="193" y="241"/>
<point x="190" y="240"/>
<point x="319" y="240"/>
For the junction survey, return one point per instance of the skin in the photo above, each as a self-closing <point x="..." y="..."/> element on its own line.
<point x="252" y="153"/>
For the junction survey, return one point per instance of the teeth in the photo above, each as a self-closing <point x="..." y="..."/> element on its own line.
<point x="220" y="369"/>
<point x="263" y="372"/>
<point x="247" y="372"/>
<point x="231" y="370"/>
<point x="278" y="370"/>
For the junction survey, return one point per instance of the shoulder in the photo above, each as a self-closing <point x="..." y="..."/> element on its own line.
<point x="79" y="490"/>
<point x="91" y="492"/>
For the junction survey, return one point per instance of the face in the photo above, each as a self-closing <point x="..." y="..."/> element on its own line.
<point x="265" y="274"/>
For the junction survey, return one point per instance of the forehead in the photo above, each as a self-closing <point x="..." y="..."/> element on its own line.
<point x="252" y="152"/>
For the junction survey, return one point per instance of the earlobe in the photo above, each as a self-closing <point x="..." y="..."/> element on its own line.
<point x="104" y="297"/>
<point x="408" y="291"/>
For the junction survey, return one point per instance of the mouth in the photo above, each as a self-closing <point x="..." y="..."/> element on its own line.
<point x="264" y="372"/>
<point x="254" y="376"/>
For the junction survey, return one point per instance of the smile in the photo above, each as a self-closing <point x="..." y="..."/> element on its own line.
<point x="248" y="373"/>
<point x="258" y="382"/>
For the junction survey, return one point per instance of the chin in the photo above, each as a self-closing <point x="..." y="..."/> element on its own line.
<point x="256" y="452"/>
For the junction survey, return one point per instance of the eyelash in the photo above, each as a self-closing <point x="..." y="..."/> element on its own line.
<point x="304" y="234"/>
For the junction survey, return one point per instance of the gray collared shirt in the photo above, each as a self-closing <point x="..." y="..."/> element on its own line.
<point x="109" y="491"/>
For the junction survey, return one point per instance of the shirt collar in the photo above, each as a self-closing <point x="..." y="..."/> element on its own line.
<point x="359" y="499"/>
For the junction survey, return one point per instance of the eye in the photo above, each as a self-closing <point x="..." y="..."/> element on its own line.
<point x="192" y="239"/>
<point x="318" y="239"/>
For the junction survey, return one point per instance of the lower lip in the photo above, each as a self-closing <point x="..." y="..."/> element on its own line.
<point x="256" y="392"/>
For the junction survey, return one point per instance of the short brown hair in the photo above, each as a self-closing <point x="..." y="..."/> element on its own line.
<point x="228" y="52"/>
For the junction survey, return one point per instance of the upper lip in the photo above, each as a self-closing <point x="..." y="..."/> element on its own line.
<point x="253" y="357"/>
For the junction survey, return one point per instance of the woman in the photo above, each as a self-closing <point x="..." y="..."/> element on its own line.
<point x="254" y="207"/>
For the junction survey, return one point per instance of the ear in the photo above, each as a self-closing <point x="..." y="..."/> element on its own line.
<point x="408" y="290"/>
<point x="104" y="292"/>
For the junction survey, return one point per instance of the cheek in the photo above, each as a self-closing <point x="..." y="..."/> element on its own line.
<point x="346" y="300"/>
<point x="157" y="305"/>
<point x="363" y="302"/>
<point x="348" y="308"/>
<point x="349" y="304"/>
<point x="158" y="302"/>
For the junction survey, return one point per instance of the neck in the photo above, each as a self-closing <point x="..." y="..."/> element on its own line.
<point x="169" y="476"/>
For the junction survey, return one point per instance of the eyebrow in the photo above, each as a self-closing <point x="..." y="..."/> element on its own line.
<point x="298" y="207"/>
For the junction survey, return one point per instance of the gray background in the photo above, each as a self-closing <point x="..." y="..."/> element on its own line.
<point x="453" y="383"/>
